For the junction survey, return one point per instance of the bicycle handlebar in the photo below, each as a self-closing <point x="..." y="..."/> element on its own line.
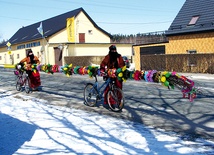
<point x="103" y="73"/>
<point x="108" y="73"/>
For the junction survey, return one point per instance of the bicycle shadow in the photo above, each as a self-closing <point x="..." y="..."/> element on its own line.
<point x="101" y="104"/>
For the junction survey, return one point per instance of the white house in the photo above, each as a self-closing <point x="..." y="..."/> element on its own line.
<point x="70" y="34"/>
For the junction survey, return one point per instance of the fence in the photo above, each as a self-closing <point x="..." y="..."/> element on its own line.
<point x="194" y="63"/>
<point x="83" y="60"/>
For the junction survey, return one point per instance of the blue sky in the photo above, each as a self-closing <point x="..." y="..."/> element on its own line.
<point x="115" y="17"/>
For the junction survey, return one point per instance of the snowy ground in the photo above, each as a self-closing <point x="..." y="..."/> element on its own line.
<point x="29" y="126"/>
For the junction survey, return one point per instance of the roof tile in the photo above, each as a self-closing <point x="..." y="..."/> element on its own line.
<point x="202" y="8"/>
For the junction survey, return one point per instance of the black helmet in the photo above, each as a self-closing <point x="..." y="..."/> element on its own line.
<point x="112" y="47"/>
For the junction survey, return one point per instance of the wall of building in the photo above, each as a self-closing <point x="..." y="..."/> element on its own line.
<point x="202" y="43"/>
<point x="92" y="34"/>
<point x="47" y="56"/>
<point x="81" y="25"/>
<point x="17" y="55"/>
<point x="97" y="49"/>
<point x="59" y="37"/>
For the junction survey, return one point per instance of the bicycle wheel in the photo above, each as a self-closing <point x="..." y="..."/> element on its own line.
<point x="27" y="85"/>
<point x="90" y="95"/>
<point x="115" y="99"/>
<point x="18" y="84"/>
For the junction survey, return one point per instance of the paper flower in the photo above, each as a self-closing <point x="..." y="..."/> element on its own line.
<point x="92" y="70"/>
<point x="67" y="70"/>
<point x="137" y="75"/>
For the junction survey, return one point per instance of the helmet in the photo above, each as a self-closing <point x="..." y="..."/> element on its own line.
<point x="112" y="47"/>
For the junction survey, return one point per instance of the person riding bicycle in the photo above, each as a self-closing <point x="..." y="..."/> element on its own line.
<point x="112" y="61"/>
<point x="31" y="59"/>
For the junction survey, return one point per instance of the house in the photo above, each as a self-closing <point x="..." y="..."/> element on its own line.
<point x="192" y="31"/>
<point x="70" y="34"/>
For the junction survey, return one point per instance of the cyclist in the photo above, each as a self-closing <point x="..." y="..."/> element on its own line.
<point x="111" y="61"/>
<point x="34" y="76"/>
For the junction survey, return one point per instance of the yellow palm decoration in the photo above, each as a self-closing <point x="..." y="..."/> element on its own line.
<point x="124" y="68"/>
<point x="70" y="66"/>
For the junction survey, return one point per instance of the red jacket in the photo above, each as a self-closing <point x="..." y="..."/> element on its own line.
<point x="28" y="63"/>
<point x="106" y="62"/>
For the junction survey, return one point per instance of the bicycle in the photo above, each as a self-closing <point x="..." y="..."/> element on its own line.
<point x="22" y="80"/>
<point x="94" y="93"/>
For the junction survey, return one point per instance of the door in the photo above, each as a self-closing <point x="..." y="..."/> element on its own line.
<point x="152" y="50"/>
<point x="58" y="56"/>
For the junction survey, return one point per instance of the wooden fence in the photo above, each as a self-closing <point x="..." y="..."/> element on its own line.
<point x="195" y="63"/>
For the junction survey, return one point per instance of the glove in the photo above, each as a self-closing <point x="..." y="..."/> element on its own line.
<point x="19" y="67"/>
<point x="102" y="72"/>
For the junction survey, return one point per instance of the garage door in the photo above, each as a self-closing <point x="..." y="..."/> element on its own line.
<point x="152" y="50"/>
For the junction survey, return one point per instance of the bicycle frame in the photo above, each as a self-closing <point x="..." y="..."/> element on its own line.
<point x="93" y="93"/>
<point x="105" y="85"/>
<point x="22" y="80"/>
<point x="22" y="76"/>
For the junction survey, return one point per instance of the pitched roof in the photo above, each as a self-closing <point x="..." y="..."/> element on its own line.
<point x="201" y="8"/>
<point x="50" y="27"/>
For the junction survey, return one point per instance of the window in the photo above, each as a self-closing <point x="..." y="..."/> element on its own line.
<point x="82" y="37"/>
<point x="33" y="44"/>
<point x="21" y="46"/>
<point x="191" y="51"/>
<point x="193" y="20"/>
<point x="17" y="56"/>
<point x="90" y="32"/>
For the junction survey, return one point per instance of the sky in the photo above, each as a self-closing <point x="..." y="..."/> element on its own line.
<point x="30" y="126"/>
<point x="115" y="17"/>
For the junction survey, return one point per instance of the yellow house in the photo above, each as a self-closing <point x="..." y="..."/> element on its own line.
<point x="191" y="32"/>
<point x="70" y="34"/>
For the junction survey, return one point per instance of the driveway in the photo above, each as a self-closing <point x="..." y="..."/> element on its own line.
<point x="148" y="103"/>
